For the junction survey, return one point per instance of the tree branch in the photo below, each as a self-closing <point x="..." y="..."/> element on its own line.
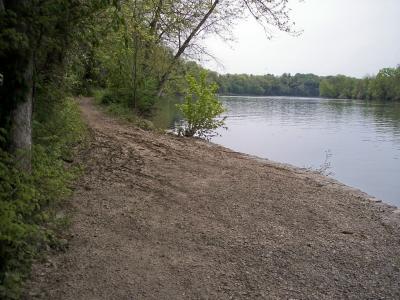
<point x="183" y="47"/>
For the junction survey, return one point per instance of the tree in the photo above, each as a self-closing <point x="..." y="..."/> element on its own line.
<point x="385" y="86"/>
<point x="147" y="47"/>
<point x="179" y="25"/>
<point x="16" y="61"/>
<point x="34" y="39"/>
<point x="143" y="56"/>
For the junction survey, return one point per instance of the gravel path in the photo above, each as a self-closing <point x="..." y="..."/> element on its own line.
<point x="162" y="217"/>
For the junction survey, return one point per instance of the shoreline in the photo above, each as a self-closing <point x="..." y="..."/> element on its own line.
<point x="321" y="179"/>
<point x="325" y="180"/>
<point x="161" y="217"/>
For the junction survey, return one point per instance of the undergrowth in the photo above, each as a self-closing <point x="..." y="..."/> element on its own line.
<point x="29" y="202"/>
<point x="116" y="104"/>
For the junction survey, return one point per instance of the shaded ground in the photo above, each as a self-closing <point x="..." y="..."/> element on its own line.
<point x="161" y="217"/>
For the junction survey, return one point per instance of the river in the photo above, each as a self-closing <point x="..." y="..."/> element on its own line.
<point x="356" y="142"/>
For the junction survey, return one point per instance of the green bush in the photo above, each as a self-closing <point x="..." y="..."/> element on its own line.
<point x="146" y="96"/>
<point x="201" y="108"/>
<point x="144" y="102"/>
<point x="28" y="201"/>
<point x="121" y="109"/>
<point x="18" y="233"/>
<point x="121" y="96"/>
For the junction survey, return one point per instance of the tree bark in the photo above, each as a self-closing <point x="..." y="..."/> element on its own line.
<point x="183" y="47"/>
<point x="21" y="123"/>
<point x="21" y="90"/>
<point x="135" y="68"/>
<point x="149" y="44"/>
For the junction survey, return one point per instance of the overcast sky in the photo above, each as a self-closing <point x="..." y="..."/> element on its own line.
<point x="351" y="37"/>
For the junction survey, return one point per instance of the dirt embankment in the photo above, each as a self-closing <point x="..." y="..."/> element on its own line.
<point x="161" y="217"/>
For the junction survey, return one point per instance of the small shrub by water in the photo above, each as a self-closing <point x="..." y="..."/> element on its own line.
<point x="201" y="108"/>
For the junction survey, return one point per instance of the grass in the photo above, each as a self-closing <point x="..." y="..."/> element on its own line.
<point x="119" y="108"/>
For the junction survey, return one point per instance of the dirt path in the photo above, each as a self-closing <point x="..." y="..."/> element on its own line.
<point x="161" y="217"/>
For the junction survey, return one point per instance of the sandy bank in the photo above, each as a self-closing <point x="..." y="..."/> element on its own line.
<point x="161" y="217"/>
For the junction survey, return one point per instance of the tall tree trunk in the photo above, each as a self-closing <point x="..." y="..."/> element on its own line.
<point x="21" y="122"/>
<point x="22" y="92"/>
<point x="135" y="70"/>
<point x="149" y="43"/>
<point x="135" y="57"/>
<point x="183" y="47"/>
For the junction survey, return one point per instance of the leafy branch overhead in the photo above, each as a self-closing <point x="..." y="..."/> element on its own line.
<point x="158" y="33"/>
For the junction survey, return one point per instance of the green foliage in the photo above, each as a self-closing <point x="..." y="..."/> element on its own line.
<point x="42" y="33"/>
<point x="17" y="236"/>
<point x="119" y="107"/>
<point x="122" y="96"/>
<point x="132" y="62"/>
<point x="201" y="107"/>
<point x="27" y="201"/>
<point x="339" y="86"/>
<point x="385" y="86"/>
<point x="146" y="96"/>
<point x="122" y="111"/>
<point x="39" y="33"/>
<point x="326" y="89"/>
<point x="302" y="85"/>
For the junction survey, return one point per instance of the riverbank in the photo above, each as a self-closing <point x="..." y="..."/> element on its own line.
<point x="162" y="217"/>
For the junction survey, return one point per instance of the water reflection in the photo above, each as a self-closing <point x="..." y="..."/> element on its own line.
<point x="166" y="115"/>
<point x="363" y="137"/>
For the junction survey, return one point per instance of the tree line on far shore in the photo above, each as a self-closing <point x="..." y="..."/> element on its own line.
<point x="384" y="86"/>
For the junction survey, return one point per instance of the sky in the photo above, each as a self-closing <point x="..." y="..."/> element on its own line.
<point x="350" y="37"/>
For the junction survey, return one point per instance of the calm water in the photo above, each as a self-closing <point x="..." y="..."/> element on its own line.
<point x="362" y="138"/>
